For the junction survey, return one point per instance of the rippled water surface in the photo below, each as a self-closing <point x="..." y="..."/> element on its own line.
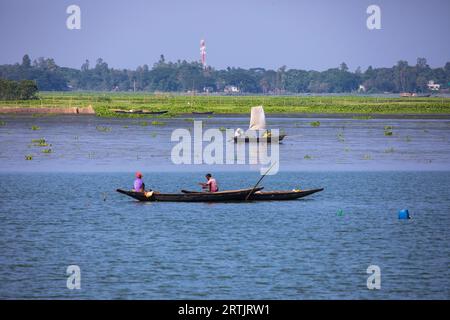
<point x="277" y="250"/>
<point x="318" y="247"/>
<point x="87" y="143"/>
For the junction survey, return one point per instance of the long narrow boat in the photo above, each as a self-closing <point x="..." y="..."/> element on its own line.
<point x="258" y="139"/>
<point x="273" y="195"/>
<point x="202" y="112"/>
<point x="221" y="196"/>
<point x="140" y="112"/>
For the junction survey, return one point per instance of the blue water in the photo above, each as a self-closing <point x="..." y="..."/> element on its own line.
<point x="299" y="249"/>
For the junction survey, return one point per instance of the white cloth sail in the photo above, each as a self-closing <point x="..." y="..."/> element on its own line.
<point x="257" y="119"/>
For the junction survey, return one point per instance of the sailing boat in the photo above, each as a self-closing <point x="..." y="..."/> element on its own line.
<point x="258" y="125"/>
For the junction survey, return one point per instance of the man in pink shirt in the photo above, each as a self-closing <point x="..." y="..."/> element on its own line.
<point x="211" y="184"/>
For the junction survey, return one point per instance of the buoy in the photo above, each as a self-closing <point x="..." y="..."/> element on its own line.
<point x="404" y="214"/>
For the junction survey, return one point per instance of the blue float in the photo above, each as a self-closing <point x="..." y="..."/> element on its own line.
<point x="404" y="214"/>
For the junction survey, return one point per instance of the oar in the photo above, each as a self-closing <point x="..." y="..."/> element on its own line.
<point x="260" y="179"/>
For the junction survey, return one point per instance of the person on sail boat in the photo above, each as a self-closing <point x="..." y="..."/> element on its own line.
<point x="139" y="185"/>
<point x="211" y="183"/>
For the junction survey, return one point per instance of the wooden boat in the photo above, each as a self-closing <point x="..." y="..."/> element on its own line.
<point x="140" y="112"/>
<point x="221" y="196"/>
<point x="273" y="195"/>
<point x="258" y="124"/>
<point x="202" y="113"/>
<point x="258" y="139"/>
<point x="282" y="195"/>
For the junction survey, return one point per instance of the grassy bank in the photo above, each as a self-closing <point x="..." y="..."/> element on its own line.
<point x="105" y="103"/>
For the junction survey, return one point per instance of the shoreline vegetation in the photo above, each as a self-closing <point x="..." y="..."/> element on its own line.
<point x="105" y="105"/>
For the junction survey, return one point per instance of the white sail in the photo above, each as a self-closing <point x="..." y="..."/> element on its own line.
<point x="257" y="119"/>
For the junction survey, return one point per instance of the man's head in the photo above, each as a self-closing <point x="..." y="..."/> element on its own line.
<point x="138" y="175"/>
<point x="208" y="176"/>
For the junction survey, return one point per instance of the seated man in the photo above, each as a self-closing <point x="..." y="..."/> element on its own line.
<point x="211" y="184"/>
<point x="139" y="185"/>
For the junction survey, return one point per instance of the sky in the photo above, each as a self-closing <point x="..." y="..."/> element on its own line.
<point x="301" y="34"/>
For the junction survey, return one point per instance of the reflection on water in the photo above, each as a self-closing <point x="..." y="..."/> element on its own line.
<point x="98" y="144"/>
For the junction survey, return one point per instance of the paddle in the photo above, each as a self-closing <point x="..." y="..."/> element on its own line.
<point x="260" y="179"/>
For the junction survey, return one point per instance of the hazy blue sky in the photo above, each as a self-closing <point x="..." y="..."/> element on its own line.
<point x="313" y="34"/>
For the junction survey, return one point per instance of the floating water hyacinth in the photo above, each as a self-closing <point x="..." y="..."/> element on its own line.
<point x="40" y="142"/>
<point x="388" y="130"/>
<point x="158" y="123"/>
<point x="315" y="124"/>
<point x="103" y="129"/>
<point x="35" y="128"/>
<point x="29" y="157"/>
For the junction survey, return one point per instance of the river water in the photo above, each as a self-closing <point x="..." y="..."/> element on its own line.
<point x="61" y="209"/>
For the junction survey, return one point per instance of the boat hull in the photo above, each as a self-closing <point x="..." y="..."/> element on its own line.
<point x="282" y="195"/>
<point x="222" y="196"/>
<point x="140" y="112"/>
<point x="258" y="139"/>
<point x="274" y="195"/>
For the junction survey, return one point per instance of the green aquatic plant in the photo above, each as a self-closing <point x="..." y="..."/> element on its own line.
<point x="35" y="128"/>
<point x="154" y="134"/>
<point x="2" y="123"/>
<point x="158" y="123"/>
<point x="388" y="130"/>
<point x="47" y="151"/>
<point x="143" y="123"/>
<point x="362" y="117"/>
<point x="103" y="129"/>
<point x="389" y="150"/>
<point x="40" y="142"/>
<point x="222" y="129"/>
<point x="189" y="119"/>
<point x="307" y="157"/>
<point x="367" y="157"/>
<point x="104" y="99"/>
<point x="28" y="157"/>
<point x="315" y="124"/>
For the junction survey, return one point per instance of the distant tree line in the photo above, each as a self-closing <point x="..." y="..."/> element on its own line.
<point x="18" y="90"/>
<point x="182" y="76"/>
